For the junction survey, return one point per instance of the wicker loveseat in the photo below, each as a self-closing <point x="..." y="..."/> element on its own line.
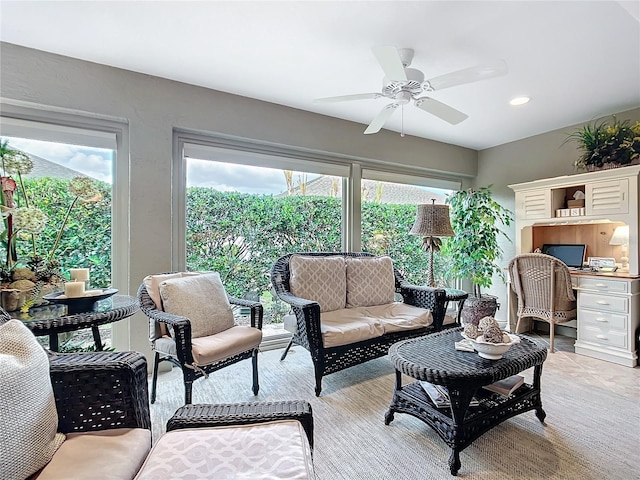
<point x="343" y="332"/>
<point x="103" y="409"/>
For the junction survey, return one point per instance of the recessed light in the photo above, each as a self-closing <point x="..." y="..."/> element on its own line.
<point x="519" y="100"/>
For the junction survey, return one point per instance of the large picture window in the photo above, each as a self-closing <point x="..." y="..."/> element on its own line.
<point x="388" y="211"/>
<point x="71" y="186"/>
<point x="68" y="182"/>
<point x="241" y="218"/>
<point x="247" y="204"/>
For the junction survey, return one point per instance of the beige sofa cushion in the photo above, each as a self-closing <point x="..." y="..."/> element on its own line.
<point x="202" y="299"/>
<point x="370" y="281"/>
<point x="28" y="415"/>
<point x="232" y="452"/>
<point x="349" y="325"/>
<point x="397" y="317"/>
<point x="113" y="454"/>
<point x="321" y="279"/>
<point x="225" y="344"/>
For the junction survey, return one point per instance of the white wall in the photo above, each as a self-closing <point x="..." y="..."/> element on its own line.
<point x="153" y="107"/>
<point x="541" y="156"/>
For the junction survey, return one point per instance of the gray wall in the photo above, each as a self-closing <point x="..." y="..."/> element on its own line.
<point x="533" y="158"/>
<point x="153" y="107"/>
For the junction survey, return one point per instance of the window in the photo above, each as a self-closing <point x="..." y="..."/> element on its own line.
<point x="245" y="204"/>
<point x="388" y="211"/>
<point x="65" y="145"/>
<point x="241" y="217"/>
<point x="78" y="228"/>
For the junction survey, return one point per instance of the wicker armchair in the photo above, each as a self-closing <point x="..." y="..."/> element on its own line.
<point x="308" y="334"/>
<point x="108" y="390"/>
<point x="542" y="284"/>
<point x="99" y="391"/>
<point x="176" y="342"/>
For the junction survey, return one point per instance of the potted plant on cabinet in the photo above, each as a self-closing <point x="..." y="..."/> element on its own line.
<point x="476" y="220"/>
<point x="605" y="144"/>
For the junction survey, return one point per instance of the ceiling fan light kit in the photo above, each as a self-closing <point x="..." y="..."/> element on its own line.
<point x="402" y="84"/>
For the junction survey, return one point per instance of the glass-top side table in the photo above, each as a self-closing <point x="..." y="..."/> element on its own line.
<point x="52" y="319"/>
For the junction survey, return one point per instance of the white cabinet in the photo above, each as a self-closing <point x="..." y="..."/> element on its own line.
<point x="606" y="198"/>
<point x="608" y="318"/>
<point x="533" y="204"/>
<point x="612" y="198"/>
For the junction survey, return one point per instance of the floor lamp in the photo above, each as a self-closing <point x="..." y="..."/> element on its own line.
<point x="432" y="221"/>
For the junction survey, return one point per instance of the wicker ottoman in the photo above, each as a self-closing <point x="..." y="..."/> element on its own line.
<point x="249" y="440"/>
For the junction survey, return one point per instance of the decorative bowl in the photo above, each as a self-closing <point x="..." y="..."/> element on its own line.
<point x="80" y="304"/>
<point x="492" y="351"/>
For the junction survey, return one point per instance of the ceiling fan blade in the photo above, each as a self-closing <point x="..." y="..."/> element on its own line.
<point x="381" y="118"/>
<point x="440" y="110"/>
<point x="346" y="98"/>
<point x="468" y="75"/>
<point x="389" y="60"/>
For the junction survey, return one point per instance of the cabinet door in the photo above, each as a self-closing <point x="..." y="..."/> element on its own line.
<point x="607" y="197"/>
<point x="533" y="204"/>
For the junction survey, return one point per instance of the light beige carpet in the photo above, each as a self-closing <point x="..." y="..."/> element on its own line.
<point x="590" y="431"/>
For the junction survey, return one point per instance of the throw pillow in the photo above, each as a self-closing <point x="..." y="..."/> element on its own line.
<point x="202" y="299"/>
<point x="321" y="279"/>
<point x="152" y="282"/>
<point x="28" y="412"/>
<point x="370" y="281"/>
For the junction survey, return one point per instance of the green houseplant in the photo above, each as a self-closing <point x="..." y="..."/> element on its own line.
<point x="607" y="144"/>
<point x="474" y="250"/>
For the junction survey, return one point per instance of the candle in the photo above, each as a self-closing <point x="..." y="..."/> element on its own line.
<point x="79" y="274"/>
<point x="74" y="289"/>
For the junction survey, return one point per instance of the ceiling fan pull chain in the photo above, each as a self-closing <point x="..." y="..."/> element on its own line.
<point x="402" y="120"/>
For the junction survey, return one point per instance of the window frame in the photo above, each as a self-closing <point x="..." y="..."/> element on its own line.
<point x="20" y="119"/>
<point x="353" y="170"/>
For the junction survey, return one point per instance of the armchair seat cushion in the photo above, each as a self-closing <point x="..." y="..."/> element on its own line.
<point x="225" y="344"/>
<point x="277" y="449"/>
<point x="110" y="454"/>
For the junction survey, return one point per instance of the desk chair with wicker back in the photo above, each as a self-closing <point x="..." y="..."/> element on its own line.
<point x="542" y="284"/>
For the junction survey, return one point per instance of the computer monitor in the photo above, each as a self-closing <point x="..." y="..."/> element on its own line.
<point x="571" y="254"/>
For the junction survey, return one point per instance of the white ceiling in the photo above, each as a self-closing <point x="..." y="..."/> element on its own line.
<point x="577" y="60"/>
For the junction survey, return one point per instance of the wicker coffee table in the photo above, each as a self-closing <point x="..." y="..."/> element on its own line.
<point x="433" y="358"/>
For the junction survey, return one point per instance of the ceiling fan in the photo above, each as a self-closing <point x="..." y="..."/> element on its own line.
<point x="402" y="84"/>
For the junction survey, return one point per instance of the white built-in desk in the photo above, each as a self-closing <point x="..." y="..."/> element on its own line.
<point x="608" y="321"/>
<point x="608" y="316"/>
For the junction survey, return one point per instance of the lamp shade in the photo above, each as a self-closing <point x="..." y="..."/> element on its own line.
<point x="620" y="236"/>
<point x="432" y="221"/>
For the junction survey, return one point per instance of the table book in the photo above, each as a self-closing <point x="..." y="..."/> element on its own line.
<point x="506" y="386"/>
<point x="440" y="397"/>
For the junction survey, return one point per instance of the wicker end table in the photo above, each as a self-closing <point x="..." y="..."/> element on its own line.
<point x="433" y="358"/>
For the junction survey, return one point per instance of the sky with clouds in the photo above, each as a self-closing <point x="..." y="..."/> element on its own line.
<point x="228" y="177"/>
<point x="221" y="176"/>
<point x="97" y="163"/>
<point x="94" y="162"/>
